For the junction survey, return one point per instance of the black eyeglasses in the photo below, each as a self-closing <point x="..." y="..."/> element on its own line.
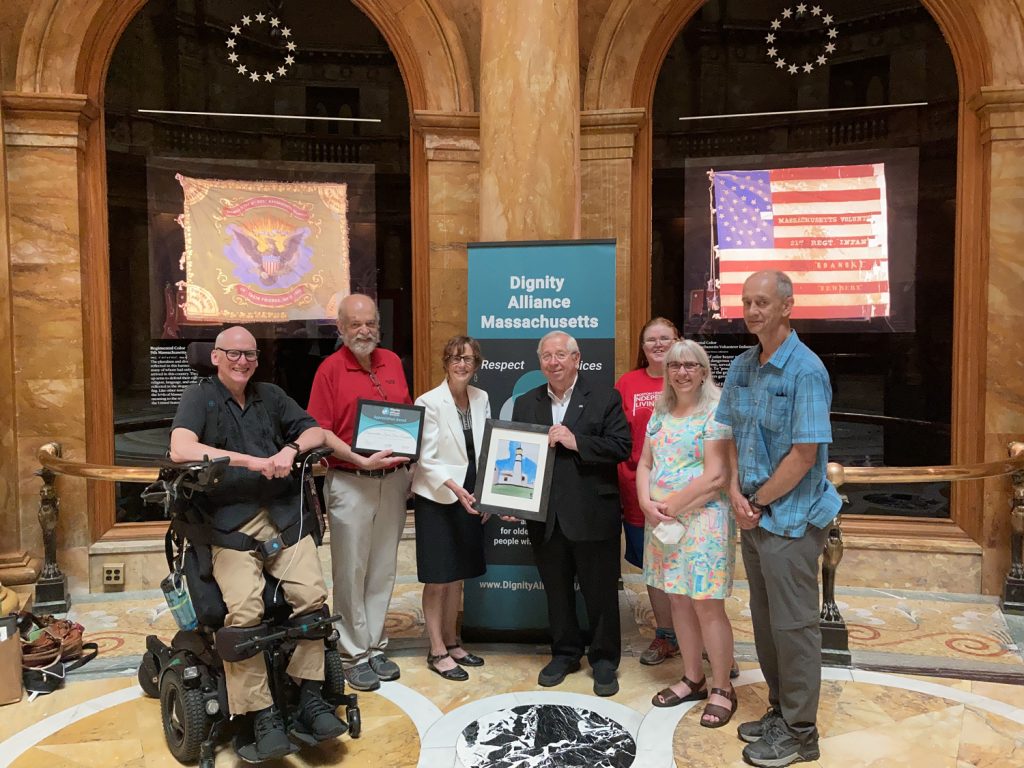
<point x="234" y="354"/>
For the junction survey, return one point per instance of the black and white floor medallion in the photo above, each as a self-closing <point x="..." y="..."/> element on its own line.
<point x="541" y="735"/>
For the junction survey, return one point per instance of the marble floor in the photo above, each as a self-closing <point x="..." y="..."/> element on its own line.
<point x="968" y="710"/>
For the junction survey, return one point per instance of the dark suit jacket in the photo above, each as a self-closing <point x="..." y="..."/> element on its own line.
<point x="584" y="494"/>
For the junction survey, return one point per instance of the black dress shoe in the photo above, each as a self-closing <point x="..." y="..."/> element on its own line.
<point x="469" y="660"/>
<point x="457" y="673"/>
<point x="556" y="670"/>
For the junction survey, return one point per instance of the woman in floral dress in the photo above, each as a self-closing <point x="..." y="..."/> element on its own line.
<point x="680" y="479"/>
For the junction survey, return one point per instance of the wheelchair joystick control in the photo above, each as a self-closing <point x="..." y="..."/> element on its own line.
<point x="178" y="600"/>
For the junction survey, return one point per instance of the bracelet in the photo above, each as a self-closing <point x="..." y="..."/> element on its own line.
<point x="293" y="445"/>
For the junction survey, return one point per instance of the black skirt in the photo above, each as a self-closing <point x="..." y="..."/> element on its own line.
<point x="449" y="542"/>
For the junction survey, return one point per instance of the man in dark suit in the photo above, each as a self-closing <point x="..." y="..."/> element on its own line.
<point x="581" y="536"/>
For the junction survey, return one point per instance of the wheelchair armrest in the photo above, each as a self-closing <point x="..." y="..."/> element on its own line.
<point x="312" y="456"/>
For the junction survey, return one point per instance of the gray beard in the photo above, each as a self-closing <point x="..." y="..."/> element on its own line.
<point x="361" y="348"/>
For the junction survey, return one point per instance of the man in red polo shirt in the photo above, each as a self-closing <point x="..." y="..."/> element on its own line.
<point x="365" y="495"/>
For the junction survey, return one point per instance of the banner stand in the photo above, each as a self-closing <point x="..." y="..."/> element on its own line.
<point x="518" y="292"/>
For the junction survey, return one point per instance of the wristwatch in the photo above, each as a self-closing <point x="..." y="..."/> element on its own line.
<point x="762" y="509"/>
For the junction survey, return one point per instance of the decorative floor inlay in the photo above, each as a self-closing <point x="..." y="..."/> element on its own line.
<point x="866" y="725"/>
<point x="935" y="629"/>
<point x="536" y="735"/>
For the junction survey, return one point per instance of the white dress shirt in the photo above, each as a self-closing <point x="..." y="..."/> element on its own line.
<point x="559" y="405"/>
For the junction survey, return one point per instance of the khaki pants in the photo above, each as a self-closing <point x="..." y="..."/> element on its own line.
<point x="240" y="578"/>
<point x="367" y="517"/>
<point x="784" y="609"/>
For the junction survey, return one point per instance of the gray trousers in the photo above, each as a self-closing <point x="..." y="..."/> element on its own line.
<point x="367" y="516"/>
<point x="784" y="609"/>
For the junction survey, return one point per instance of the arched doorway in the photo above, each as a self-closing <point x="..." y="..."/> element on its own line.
<point x="842" y="126"/>
<point x="624" y="65"/>
<point x="65" y="50"/>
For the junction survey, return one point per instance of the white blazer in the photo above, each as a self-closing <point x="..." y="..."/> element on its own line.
<point x="443" y="448"/>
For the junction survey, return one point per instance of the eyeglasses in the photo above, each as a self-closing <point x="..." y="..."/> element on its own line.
<point x="376" y="385"/>
<point x="234" y="354"/>
<point x="561" y="357"/>
<point x="689" y="366"/>
<point x="659" y="340"/>
<point x="466" y="359"/>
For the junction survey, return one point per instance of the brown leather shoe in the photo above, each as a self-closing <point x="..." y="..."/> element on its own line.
<point x="659" y="650"/>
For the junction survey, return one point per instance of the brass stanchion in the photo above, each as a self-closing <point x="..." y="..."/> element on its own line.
<point x="52" y="587"/>
<point x="835" y="637"/>
<point x="1012" y="600"/>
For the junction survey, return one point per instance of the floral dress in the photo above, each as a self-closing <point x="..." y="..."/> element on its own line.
<point x="702" y="563"/>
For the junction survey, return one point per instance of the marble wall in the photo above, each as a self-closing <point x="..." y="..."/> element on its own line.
<point x="52" y="58"/>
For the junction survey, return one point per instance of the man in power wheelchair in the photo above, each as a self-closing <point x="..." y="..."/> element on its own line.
<point x="238" y="513"/>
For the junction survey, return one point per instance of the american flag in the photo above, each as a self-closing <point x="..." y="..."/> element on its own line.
<point x="824" y="227"/>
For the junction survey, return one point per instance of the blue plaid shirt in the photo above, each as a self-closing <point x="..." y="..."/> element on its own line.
<point x="770" y="407"/>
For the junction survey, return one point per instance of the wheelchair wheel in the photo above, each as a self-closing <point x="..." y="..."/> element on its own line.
<point x="334" y="677"/>
<point x="355" y="722"/>
<point x="184" y="717"/>
<point x="149" y="675"/>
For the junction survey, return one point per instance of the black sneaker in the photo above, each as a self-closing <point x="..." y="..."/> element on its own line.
<point x="385" y="668"/>
<point x="778" y="747"/>
<point x="606" y="682"/>
<point x="556" y="670"/>
<point x="271" y="741"/>
<point x="316" y="715"/>
<point x="754" y="730"/>
<point x="361" y="677"/>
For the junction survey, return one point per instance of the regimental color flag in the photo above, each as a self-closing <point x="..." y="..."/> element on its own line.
<point x="824" y="227"/>
<point x="263" y="251"/>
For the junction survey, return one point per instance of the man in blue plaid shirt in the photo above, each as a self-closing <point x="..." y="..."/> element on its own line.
<point x="776" y="398"/>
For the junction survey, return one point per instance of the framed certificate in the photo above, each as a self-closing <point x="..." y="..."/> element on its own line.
<point x="515" y="470"/>
<point x="381" y="426"/>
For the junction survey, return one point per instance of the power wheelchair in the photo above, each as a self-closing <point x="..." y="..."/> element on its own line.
<point x="188" y="675"/>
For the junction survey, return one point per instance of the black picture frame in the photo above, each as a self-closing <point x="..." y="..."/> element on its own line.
<point x="371" y="433"/>
<point x="502" y="487"/>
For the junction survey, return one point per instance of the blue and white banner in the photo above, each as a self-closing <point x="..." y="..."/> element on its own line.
<point x="518" y="292"/>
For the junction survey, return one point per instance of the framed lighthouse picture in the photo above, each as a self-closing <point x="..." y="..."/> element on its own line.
<point x="515" y="470"/>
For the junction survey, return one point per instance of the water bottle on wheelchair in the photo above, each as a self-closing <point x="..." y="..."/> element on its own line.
<point x="187" y="676"/>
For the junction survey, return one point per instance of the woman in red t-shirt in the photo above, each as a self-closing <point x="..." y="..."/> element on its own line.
<point x="639" y="389"/>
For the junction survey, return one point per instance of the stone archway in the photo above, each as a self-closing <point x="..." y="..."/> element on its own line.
<point x="59" y="75"/>
<point x="985" y="39"/>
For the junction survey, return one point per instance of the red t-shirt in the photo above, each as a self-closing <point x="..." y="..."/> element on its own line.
<point x="639" y="391"/>
<point x="340" y="381"/>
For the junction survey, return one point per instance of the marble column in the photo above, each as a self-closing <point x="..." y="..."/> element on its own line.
<point x="44" y="140"/>
<point x="529" y="120"/>
<point x="1001" y="113"/>
<point x="16" y="566"/>
<point x="608" y="143"/>
<point x="451" y="154"/>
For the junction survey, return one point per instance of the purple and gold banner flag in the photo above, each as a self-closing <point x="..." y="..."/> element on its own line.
<point x="264" y="251"/>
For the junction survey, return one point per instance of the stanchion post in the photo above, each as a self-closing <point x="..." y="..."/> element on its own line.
<point x="52" y="586"/>
<point x="1012" y="600"/>
<point x="835" y="638"/>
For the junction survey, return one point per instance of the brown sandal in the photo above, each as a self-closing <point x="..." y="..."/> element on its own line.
<point x="666" y="697"/>
<point x="717" y="710"/>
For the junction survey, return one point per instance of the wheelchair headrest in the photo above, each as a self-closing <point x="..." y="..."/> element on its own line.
<point x="198" y="356"/>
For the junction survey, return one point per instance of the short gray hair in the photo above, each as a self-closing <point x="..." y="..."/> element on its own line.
<point x="783" y="285"/>
<point x="570" y="342"/>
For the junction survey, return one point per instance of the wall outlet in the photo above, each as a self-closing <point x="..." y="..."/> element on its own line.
<point x="113" y="574"/>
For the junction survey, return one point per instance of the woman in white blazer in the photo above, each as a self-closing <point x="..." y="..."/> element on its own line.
<point x="449" y="532"/>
